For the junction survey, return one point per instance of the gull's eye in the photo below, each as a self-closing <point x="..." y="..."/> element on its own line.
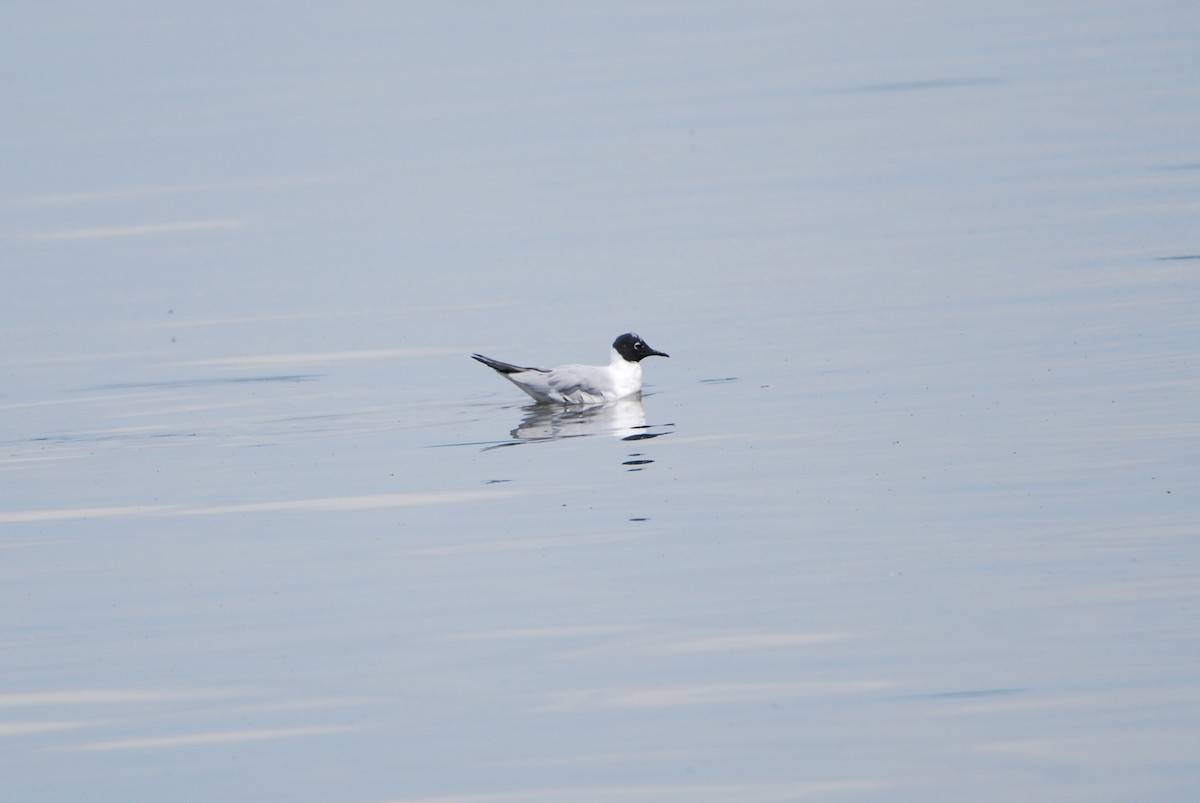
<point x="638" y="344"/>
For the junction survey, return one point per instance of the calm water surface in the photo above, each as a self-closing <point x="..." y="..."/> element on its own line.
<point x="909" y="514"/>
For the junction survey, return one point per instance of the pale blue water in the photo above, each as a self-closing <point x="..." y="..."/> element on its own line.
<point x="918" y="517"/>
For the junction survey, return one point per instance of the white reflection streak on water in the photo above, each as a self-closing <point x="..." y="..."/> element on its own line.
<point x="1082" y="748"/>
<point x="121" y="699"/>
<point x="629" y="640"/>
<point x="127" y="193"/>
<point x="102" y="697"/>
<point x="141" y="230"/>
<point x="337" y="503"/>
<point x="260" y="360"/>
<point x="81" y="513"/>
<point x="48" y="726"/>
<point x="328" y="504"/>
<point x="215" y="737"/>
<point x="704" y="694"/>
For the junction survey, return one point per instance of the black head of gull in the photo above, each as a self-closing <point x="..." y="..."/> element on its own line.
<point x="634" y="349"/>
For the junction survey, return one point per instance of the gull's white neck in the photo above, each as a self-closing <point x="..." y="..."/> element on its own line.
<point x="627" y="376"/>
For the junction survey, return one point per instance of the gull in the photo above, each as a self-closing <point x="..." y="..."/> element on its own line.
<point x="583" y="384"/>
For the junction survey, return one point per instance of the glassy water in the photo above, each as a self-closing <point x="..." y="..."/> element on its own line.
<point x="910" y="513"/>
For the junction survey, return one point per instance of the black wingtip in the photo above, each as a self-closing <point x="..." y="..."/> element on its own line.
<point x="496" y="365"/>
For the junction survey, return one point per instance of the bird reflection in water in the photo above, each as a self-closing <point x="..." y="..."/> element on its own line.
<point x="624" y="419"/>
